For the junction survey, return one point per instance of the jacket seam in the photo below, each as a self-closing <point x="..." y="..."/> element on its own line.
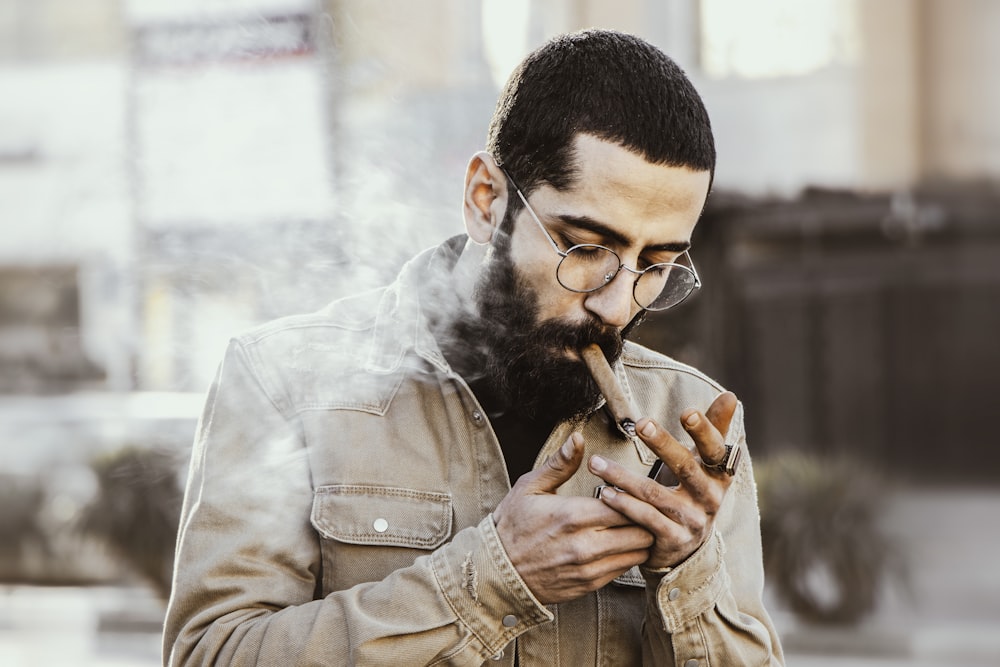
<point x="256" y="336"/>
<point x="378" y="408"/>
<point x="251" y="367"/>
<point x="675" y="367"/>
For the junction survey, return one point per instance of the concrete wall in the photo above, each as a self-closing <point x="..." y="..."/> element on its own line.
<point x="889" y="111"/>
<point x="775" y="136"/>
<point x="959" y="56"/>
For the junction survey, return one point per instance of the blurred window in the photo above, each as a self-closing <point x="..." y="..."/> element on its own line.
<point x="40" y="346"/>
<point x="775" y="38"/>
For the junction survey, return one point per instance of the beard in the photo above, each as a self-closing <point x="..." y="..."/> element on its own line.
<point x="520" y="364"/>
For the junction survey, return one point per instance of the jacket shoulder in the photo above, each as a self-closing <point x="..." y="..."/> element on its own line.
<point x="341" y="317"/>
<point x="656" y="376"/>
<point x="318" y="360"/>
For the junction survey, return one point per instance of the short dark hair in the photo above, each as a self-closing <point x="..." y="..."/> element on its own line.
<point x="612" y="85"/>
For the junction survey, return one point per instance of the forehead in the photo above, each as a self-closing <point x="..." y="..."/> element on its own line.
<point x="651" y="203"/>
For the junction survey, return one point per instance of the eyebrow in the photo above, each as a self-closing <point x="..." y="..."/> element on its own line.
<point x="617" y="237"/>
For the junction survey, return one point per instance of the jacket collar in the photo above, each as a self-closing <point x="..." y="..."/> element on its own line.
<point x="402" y="315"/>
<point x="402" y="323"/>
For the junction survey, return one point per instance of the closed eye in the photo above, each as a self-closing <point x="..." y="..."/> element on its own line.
<point x="570" y="240"/>
<point x="657" y="269"/>
<point x="588" y="250"/>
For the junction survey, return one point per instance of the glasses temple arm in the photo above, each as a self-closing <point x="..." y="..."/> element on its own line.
<point x="534" y="217"/>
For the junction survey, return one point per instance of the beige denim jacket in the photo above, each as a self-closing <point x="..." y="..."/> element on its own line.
<point x="338" y="508"/>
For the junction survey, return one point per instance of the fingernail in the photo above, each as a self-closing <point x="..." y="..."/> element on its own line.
<point x="693" y="419"/>
<point x="568" y="448"/>
<point x="608" y="492"/>
<point x="649" y="430"/>
<point x="598" y="464"/>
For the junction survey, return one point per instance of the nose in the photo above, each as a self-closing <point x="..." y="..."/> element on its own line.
<point x="613" y="303"/>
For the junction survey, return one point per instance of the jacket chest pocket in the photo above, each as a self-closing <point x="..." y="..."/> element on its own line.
<point x="370" y="531"/>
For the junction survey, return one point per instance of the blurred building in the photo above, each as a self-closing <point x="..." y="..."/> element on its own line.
<point x="172" y="171"/>
<point x="65" y="212"/>
<point x="232" y="184"/>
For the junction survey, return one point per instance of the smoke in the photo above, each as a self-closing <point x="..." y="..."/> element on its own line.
<point x="201" y="168"/>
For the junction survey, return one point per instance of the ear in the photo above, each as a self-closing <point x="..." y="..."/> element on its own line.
<point x="485" y="197"/>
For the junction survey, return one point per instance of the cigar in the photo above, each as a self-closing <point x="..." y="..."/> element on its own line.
<point x="618" y="403"/>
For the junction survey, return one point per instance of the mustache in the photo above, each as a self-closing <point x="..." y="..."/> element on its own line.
<point x="577" y="336"/>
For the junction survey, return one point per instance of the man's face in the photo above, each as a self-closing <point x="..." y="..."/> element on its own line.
<point x="531" y="326"/>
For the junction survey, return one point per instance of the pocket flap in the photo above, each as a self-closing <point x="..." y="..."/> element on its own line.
<point x="365" y="514"/>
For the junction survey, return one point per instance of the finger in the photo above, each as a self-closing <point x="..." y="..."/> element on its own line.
<point x="558" y="467"/>
<point x="674" y="455"/>
<point x="592" y="576"/>
<point x="689" y="471"/>
<point x="570" y="514"/>
<point x="666" y="516"/>
<point x="648" y="500"/>
<point x="721" y="411"/>
<point x="602" y="544"/>
<point x="676" y="537"/>
<point x="621" y="539"/>
<point x="711" y="444"/>
<point x="603" y="571"/>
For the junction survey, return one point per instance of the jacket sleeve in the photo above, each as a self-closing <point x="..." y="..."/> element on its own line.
<point x="247" y="567"/>
<point x="709" y="609"/>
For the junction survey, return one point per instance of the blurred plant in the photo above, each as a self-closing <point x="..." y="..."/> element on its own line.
<point x="21" y="529"/>
<point x="824" y="550"/>
<point x="136" y="511"/>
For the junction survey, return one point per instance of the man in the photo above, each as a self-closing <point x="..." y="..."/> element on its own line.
<point x="350" y="496"/>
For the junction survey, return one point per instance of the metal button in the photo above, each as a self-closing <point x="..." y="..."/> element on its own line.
<point x="477" y="416"/>
<point x="691" y="663"/>
<point x="497" y="656"/>
<point x="380" y="525"/>
<point x="673" y="594"/>
<point x="509" y="621"/>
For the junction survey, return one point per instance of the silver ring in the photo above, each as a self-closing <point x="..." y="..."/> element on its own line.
<point x="729" y="461"/>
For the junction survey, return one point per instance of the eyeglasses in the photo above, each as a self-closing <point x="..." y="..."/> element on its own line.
<point x="587" y="267"/>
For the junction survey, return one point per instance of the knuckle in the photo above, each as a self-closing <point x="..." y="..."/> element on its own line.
<point x="688" y="470"/>
<point x="583" y="556"/>
<point x="556" y="462"/>
<point x="674" y="514"/>
<point x="713" y="502"/>
<point x="571" y="522"/>
<point x="651" y="492"/>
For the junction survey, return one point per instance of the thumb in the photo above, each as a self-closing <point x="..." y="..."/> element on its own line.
<point x="559" y="467"/>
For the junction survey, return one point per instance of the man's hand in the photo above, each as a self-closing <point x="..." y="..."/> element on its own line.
<point x="680" y="517"/>
<point x="564" y="547"/>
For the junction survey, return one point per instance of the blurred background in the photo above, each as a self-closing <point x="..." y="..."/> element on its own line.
<point x="173" y="171"/>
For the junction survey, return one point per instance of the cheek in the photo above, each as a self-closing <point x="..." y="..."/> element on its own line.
<point x="536" y="267"/>
<point x="556" y="303"/>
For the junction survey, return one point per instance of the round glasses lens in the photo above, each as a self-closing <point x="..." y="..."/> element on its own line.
<point x="586" y="268"/>
<point x="663" y="286"/>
